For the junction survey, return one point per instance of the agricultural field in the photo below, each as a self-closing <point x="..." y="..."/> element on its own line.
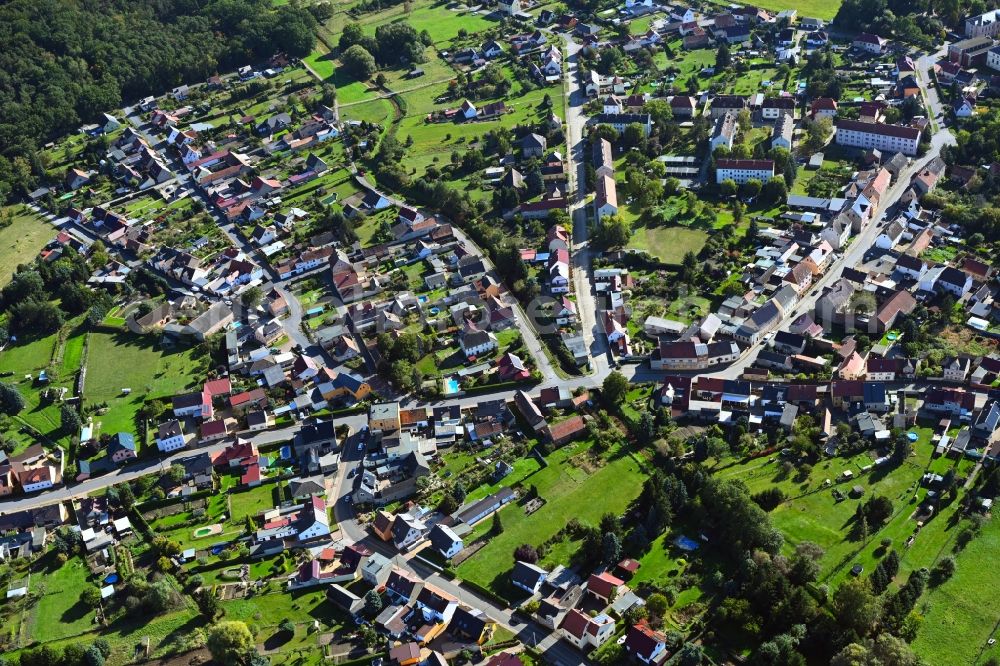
<point x="21" y="240"/>
<point x="121" y="360"/>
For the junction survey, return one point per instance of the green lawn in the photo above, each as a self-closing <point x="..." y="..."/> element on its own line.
<point x="73" y="354"/>
<point x="27" y="357"/>
<point x="59" y="613"/>
<point x="814" y="515"/>
<point x="569" y="492"/>
<point x="434" y="142"/>
<point x="21" y="240"/>
<point x="167" y="634"/>
<point x="668" y="244"/>
<point x="824" y="9"/>
<point x="960" y="616"/>
<point x="252" y="501"/>
<point x="268" y="611"/>
<point x="121" y="360"/>
<point x="24" y="359"/>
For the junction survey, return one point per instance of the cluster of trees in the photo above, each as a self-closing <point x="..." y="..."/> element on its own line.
<point x="490" y="83"/>
<point x="392" y="45"/>
<point x="231" y="643"/>
<point x="977" y="207"/>
<point x="72" y="654"/>
<point x="398" y="356"/>
<point x="31" y="295"/>
<point x="109" y="52"/>
<point x="914" y="22"/>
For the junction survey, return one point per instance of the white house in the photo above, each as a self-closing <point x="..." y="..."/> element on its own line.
<point x="890" y="236"/>
<point x="170" y="436"/>
<point x="476" y="342"/>
<point x="509" y="7"/>
<point x="954" y="281"/>
<point x="781" y="136"/>
<point x="584" y="631"/>
<point x="776" y="107"/>
<point x="468" y="110"/>
<point x="741" y="171"/>
<point x="911" y="267"/>
<point x="956" y="369"/>
<point x="964" y="107"/>
<point x="38" y="478"/>
<point x="870" y="43"/>
<point x="559" y="272"/>
<point x="407" y="531"/>
<point x="724" y="132"/>
<point x="993" y="58"/>
<point x="445" y="541"/>
<point x="613" y="104"/>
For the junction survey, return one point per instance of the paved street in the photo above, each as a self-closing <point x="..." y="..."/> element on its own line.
<point x="593" y="332"/>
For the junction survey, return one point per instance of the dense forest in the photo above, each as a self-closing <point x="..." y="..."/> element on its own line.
<point x="63" y="63"/>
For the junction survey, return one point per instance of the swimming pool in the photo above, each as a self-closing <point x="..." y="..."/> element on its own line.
<point x="434" y="311"/>
<point x="451" y="386"/>
<point x="422" y="299"/>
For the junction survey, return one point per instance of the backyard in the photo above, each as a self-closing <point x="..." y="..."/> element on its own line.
<point x="59" y="613"/>
<point x="24" y="360"/>
<point x="118" y="361"/>
<point x="667" y="244"/>
<point x="567" y="485"/>
<point x="21" y="240"/>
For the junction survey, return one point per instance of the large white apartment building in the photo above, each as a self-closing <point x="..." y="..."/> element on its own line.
<point x="887" y="138"/>
<point x="741" y="171"/>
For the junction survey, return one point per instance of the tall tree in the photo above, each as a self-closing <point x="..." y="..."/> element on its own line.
<point x="614" y="388"/>
<point x="230" y="642"/>
<point x="11" y="400"/>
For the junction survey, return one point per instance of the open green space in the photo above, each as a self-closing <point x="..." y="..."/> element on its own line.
<point x="668" y="244"/>
<point x="961" y="616"/>
<point x="824" y="9"/>
<point x="166" y="634"/>
<point x="569" y="492"/>
<point x="120" y="360"/>
<point x="59" y="612"/>
<point x="957" y="618"/>
<point x="252" y="501"/>
<point x="21" y="240"/>
<point x="269" y="610"/>
<point x="41" y="412"/>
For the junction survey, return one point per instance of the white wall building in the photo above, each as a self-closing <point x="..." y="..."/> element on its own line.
<point x="887" y="138"/>
<point x="741" y="171"/>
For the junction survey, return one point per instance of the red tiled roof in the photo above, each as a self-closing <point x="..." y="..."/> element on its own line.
<point x="602" y="584"/>
<point x="216" y="387"/>
<point x="882" y="129"/>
